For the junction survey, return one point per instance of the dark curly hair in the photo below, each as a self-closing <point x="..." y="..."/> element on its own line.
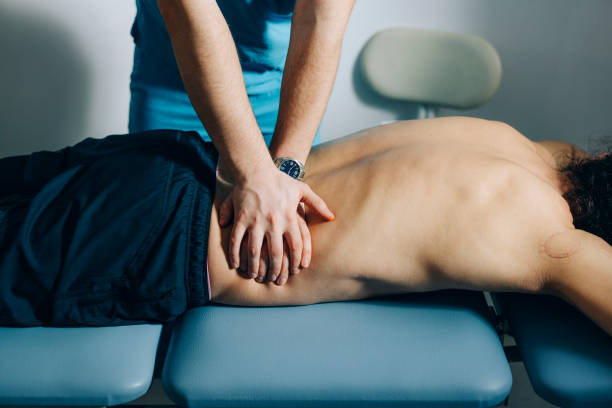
<point x="590" y="194"/>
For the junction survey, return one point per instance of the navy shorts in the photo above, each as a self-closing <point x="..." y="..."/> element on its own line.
<point x="108" y="232"/>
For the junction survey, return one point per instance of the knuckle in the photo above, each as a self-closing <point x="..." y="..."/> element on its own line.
<point x="289" y="213"/>
<point x="241" y="216"/>
<point x="276" y="221"/>
<point x="272" y="219"/>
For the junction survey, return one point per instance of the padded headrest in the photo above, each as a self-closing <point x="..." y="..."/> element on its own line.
<point x="431" y="67"/>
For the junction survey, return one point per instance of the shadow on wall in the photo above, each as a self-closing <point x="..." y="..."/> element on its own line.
<point x="44" y="83"/>
<point x="401" y="110"/>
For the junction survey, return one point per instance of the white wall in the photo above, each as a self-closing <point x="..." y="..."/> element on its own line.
<point x="64" y="71"/>
<point x="65" y="64"/>
<point x="556" y="57"/>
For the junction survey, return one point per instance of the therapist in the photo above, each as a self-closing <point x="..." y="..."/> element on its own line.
<point x="254" y="73"/>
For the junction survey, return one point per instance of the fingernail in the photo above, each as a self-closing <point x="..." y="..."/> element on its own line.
<point x="253" y="274"/>
<point x="283" y="280"/>
<point x="273" y="278"/>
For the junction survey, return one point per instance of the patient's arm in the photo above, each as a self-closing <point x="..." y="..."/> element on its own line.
<point x="581" y="272"/>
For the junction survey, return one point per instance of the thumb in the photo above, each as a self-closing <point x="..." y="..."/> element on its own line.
<point x="317" y="203"/>
<point x="226" y="211"/>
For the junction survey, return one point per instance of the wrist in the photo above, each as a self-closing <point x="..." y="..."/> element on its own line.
<point x="245" y="158"/>
<point x="258" y="170"/>
<point x="288" y="142"/>
<point x="293" y="153"/>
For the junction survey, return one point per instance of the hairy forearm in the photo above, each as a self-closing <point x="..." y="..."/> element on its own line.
<point x="211" y="72"/>
<point x="310" y="70"/>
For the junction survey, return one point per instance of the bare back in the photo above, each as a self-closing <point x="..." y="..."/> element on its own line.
<point x="420" y="205"/>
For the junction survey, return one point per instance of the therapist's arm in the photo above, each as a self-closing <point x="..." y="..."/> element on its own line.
<point x="263" y="199"/>
<point x="317" y="29"/>
<point x="209" y="66"/>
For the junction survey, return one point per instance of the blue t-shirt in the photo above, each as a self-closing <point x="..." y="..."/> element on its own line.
<point x="260" y="29"/>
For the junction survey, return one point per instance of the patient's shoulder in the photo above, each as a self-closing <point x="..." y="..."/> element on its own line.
<point x="560" y="153"/>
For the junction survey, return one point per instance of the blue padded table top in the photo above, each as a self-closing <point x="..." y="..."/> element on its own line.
<point x="95" y="366"/>
<point x="399" y="351"/>
<point x="567" y="357"/>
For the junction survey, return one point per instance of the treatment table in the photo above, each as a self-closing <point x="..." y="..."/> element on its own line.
<point x="567" y="357"/>
<point x="438" y="349"/>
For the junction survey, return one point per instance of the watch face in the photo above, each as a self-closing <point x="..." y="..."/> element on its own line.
<point x="291" y="167"/>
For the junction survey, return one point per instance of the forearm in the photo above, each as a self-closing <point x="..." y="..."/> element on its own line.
<point x="310" y="70"/>
<point x="211" y="72"/>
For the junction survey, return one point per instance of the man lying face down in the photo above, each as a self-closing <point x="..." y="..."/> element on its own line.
<point x="125" y="229"/>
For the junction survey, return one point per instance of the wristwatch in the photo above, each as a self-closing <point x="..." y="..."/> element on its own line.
<point x="292" y="167"/>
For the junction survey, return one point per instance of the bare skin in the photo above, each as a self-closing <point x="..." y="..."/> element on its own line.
<point x="434" y="204"/>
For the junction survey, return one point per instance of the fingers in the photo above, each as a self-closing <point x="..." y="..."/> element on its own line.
<point x="266" y="215"/>
<point x="275" y="254"/>
<point x="225" y="211"/>
<point x="284" y="275"/>
<point x="293" y="238"/>
<point x="316" y="202"/>
<point x="256" y="237"/>
<point x="263" y="263"/>
<point x="297" y="250"/>
<point x="235" y="242"/>
<point x="243" y="257"/>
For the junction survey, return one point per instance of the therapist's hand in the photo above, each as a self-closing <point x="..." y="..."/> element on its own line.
<point x="265" y="205"/>
<point x="264" y="262"/>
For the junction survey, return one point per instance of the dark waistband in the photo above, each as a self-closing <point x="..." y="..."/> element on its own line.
<point x="198" y="292"/>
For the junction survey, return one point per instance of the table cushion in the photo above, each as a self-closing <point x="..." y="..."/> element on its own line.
<point x="98" y="366"/>
<point x="567" y="357"/>
<point x="414" y="351"/>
